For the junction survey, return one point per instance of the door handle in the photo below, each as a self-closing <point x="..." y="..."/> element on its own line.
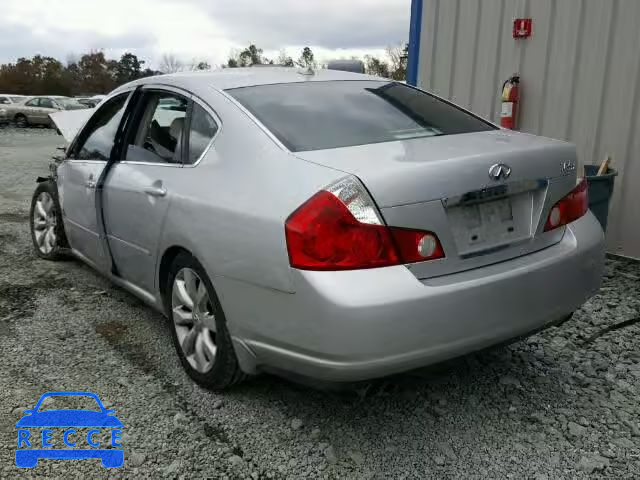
<point x="156" y="191"/>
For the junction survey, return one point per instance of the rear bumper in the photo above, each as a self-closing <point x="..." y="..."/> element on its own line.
<point x="28" y="458"/>
<point x="355" y="325"/>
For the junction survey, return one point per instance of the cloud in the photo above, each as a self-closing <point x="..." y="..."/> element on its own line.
<point x="328" y="23"/>
<point x="16" y="42"/>
<point x="199" y="29"/>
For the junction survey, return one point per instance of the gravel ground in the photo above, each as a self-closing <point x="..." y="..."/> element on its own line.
<point x="561" y="404"/>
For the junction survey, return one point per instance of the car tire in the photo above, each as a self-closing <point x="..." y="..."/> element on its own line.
<point x="114" y="458"/>
<point x="198" y="326"/>
<point x="21" y="121"/>
<point x="26" y="458"/>
<point x="45" y="218"/>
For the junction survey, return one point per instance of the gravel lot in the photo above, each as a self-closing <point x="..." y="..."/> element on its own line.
<point x="561" y="404"/>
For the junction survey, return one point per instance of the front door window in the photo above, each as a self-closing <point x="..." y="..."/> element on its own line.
<point x="99" y="139"/>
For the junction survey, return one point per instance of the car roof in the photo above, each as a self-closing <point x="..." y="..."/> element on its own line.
<point x="64" y="393"/>
<point x="227" y="78"/>
<point x="46" y="96"/>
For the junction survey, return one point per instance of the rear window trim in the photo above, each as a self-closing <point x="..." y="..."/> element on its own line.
<point x="285" y="145"/>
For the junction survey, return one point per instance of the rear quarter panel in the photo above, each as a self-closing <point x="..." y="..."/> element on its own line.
<point x="229" y="210"/>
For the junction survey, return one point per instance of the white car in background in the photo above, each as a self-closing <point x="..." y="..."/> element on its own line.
<point x="9" y="99"/>
<point x="6" y="99"/>
<point x="36" y="110"/>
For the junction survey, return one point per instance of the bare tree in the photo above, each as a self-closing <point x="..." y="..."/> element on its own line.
<point x="284" y="59"/>
<point x="306" y="59"/>
<point x="170" y="63"/>
<point x="398" y="60"/>
<point x="252" y="55"/>
<point x="375" y="66"/>
<point x="199" y="65"/>
<point x="72" y="58"/>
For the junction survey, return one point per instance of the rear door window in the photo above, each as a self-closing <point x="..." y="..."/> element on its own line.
<point x="158" y="136"/>
<point x="320" y="115"/>
<point x="201" y="132"/>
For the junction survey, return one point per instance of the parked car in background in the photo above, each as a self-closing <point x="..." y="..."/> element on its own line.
<point x="334" y="225"/>
<point x="68" y="103"/>
<point x="8" y="99"/>
<point x="99" y="97"/>
<point x="36" y="110"/>
<point x="88" y="102"/>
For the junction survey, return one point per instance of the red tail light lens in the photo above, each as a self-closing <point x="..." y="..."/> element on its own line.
<point x="569" y="208"/>
<point x="416" y="245"/>
<point x="324" y="234"/>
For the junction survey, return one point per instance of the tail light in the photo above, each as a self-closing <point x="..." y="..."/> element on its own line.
<point x="339" y="229"/>
<point x="569" y="208"/>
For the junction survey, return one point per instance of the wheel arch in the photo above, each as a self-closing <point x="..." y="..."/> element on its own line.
<point x="244" y="355"/>
<point x="165" y="264"/>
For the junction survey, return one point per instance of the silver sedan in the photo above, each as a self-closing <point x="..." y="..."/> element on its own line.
<point x="327" y="224"/>
<point x="36" y="110"/>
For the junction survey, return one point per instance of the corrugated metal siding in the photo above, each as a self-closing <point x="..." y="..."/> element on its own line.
<point x="580" y="75"/>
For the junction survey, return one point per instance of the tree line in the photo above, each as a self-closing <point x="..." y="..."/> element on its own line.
<point x="93" y="73"/>
<point x="395" y="66"/>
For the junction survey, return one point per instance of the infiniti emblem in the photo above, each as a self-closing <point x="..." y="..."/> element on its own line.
<point x="499" y="171"/>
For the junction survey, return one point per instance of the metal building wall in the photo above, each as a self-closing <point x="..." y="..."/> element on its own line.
<point x="580" y="74"/>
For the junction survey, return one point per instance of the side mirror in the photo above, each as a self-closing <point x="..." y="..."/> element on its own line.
<point x="29" y="411"/>
<point x="109" y="411"/>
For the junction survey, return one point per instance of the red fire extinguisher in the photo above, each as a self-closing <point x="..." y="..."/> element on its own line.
<point x="510" y="98"/>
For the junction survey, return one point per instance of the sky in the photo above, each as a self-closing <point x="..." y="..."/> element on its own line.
<point x="200" y="30"/>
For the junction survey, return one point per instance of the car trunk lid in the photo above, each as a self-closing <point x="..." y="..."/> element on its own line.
<point x="442" y="184"/>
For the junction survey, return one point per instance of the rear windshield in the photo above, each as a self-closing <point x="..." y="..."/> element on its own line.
<point x="320" y="115"/>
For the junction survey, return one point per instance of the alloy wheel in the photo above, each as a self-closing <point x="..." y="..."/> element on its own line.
<point x="194" y="320"/>
<point x="44" y="223"/>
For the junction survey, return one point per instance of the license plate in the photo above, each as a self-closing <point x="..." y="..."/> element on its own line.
<point x="482" y="224"/>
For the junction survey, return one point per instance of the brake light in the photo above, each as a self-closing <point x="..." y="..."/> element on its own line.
<point x="569" y="208"/>
<point x="339" y="229"/>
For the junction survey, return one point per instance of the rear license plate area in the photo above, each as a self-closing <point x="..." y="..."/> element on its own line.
<point x="487" y="225"/>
